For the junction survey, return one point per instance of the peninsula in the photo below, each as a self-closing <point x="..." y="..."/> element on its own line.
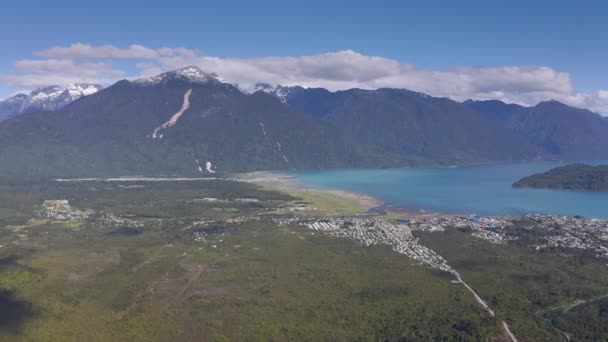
<point x="580" y="177"/>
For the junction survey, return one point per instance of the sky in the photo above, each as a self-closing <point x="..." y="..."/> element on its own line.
<point x="516" y="51"/>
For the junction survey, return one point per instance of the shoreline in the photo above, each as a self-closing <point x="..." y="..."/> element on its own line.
<point x="288" y="184"/>
<point x="368" y="205"/>
<point x="317" y="199"/>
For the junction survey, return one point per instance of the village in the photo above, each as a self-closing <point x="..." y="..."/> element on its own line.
<point x="398" y="233"/>
<point x="572" y="232"/>
<point x="553" y="230"/>
<point x="62" y="211"/>
<point x="369" y="231"/>
<point x="487" y="228"/>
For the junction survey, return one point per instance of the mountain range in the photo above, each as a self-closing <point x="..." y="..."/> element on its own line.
<point x="48" y="98"/>
<point x="414" y="125"/>
<point x="446" y="131"/>
<point x="187" y="122"/>
<point x="184" y="122"/>
<point x="561" y="132"/>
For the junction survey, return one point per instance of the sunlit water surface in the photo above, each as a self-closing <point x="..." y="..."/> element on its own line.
<point x="483" y="190"/>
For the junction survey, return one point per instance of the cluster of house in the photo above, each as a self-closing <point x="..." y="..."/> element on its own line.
<point x="572" y="232"/>
<point x="221" y="200"/>
<point x="241" y="219"/>
<point x="556" y="231"/>
<point x="487" y="228"/>
<point x="60" y="210"/>
<point x="118" y="221"/>
<point x="369" y="231"/>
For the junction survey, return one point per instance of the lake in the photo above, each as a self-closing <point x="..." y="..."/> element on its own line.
<point x="483" y="190"/>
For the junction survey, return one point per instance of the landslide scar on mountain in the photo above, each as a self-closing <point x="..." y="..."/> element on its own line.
<point x="175" y="117"/>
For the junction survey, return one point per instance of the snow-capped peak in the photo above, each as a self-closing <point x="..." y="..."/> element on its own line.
<point x="48" y="98"/>
<point x="56" y="97"/>
<point x="9" y="107"/>
<point x="19" y="98"/>
<point x="73" y="90"/>
<point x="191" y="74"/>
<point x="277" y="90"/>
<point x="194" y="73"/>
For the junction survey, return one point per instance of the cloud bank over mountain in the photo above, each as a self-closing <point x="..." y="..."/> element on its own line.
<point x="526" y="85"/>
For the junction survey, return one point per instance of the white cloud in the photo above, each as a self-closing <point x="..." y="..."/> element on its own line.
<point x="339" y="70"/>
<point x="85" y="51"/>
<point x="40" y="73"/>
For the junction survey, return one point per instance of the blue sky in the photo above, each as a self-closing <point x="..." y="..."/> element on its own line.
<point x="565" y="36"/>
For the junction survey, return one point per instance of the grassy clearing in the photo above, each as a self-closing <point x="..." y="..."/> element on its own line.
<point x="319" y="202"/>
<point x="311" y="202"/>
<point x="329" y="203"/>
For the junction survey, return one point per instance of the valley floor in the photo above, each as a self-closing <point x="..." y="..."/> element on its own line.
<point x="222" y="260"/>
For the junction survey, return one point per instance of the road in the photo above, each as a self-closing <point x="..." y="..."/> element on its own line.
<point x="485" y="305"/>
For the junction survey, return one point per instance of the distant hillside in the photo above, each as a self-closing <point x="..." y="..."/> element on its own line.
<point x="179" y="123"/>
<point x="559" y="131"/>
<point x="187" y="122"/>
<point x="444" y="131"/>
<point x="414" y="125"/>
<point x="569" y="177"/>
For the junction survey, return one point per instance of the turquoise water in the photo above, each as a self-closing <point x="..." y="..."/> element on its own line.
<point x="483" y="190"/>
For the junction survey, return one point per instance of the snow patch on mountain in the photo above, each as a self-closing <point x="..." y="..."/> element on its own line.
<point x="49" y="98"/>
<point x="190" y="74"/>
<point x="173" y="120"/>
<point x="210" y="167"/>
<point x="53" y="97"/>
<point x="281" y="151"/>
<point x="11" y="106"/>
<point x="17" y="99"/>
<point x="198" y="166"/>
<point x="263" y="128"/>
<point x="279" y="91"/>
